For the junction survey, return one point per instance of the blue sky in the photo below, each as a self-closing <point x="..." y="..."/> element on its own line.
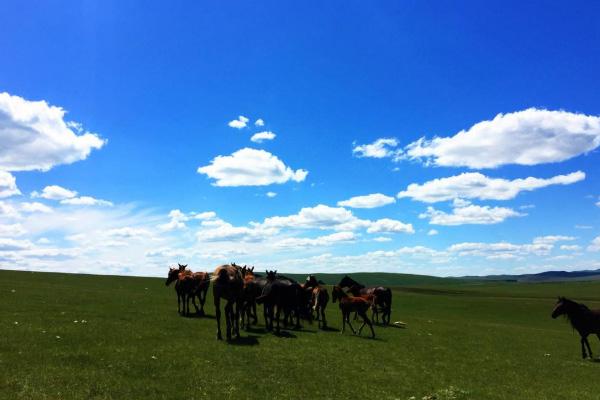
<point x="152" y="173"/>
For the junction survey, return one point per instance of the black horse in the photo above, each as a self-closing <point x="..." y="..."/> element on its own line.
<point x="582" y="319"/>
<point x="282" y="294"/>
<point x="382" y="297"/>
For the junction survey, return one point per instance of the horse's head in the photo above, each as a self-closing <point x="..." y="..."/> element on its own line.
<point x="560" y="308"/>
<point x="311" y="281"/>
<point x="172" y="276"/>
<point x="346" y="282"/>
<point x="337" y="293"/>
<point x="182" y="267"/>
<point x="271" y="275"/>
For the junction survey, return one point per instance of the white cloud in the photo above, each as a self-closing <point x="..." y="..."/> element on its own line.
<point x="318" y="217"/>
<point x="55" y="192"/>
<point x="7" y="210"/>
<point x="465" y="213"/>
<point x="583" y="227"/>
<point x="261" y="136"/>
<point x="368" y="201"/>
<point x="250" y="167"/>
<point x="271" y="194"/>
<point x="12" y="230"/>
<point x="570" y="247"/>
<point x="128" y="232"/>
<point x="239" y="123"/>
<point x="390" y="226"/>
<point x="528" y="137"/>
<point x="205" y="215"/>
<point x="552" y="239"/>
<point x="35" y="136"/>
<point x="259" y="122"/>
<point x="473" y="185"/>
<point x="500" y="250"/>
<point x="381" y="148"/>
<point x="8" y="184"/>
<point x="221" y="231"/>
<point x="86" y="201"/>
<point x="327" y="240"/>
<point x="595" y="244"/>
<point x="8" y="244"/>
<point x="432" y="232"/>
<point x="382" y="239"/>
<point x="34" y="207"/>
<point x="178" y="220"/>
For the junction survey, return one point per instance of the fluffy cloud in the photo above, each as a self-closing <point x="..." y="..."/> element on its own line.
<point x="368" y="201"/>
<point x="390" y="226"/>
<point x="570" y="247"/>
<point x="327" y="240"/>
<point x="86" y="201"/>
<point x="35" y="136"/>
<point x="8" y="184"/>
<point x="239" y="123"/>
<point x="55" y="192"/>
<point x="12" y="230"/>
<point x="552" y="239"/>
<point x="250" y="167"/>
<point x="261" y="136"/>
<point x="528" y="137"/>
<point x="595" y="244"/>
<point x="381" y="148"/>
<point x="318" y="217"/>
<point x="473" y="185"/>
<point x="178" y="220"/>
<point x="465" y="213"/>
<point x="432" y="232"/>
<point x="259" y="122"/>
<point x="34" y="207"/>
<point x="271" y="194"/>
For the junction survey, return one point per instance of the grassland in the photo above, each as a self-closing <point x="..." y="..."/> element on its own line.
<point x="464" y="340"/>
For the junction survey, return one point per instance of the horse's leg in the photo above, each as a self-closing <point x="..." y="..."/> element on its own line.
<point x="350" y="324"/>
<point x="204" y="292"/>
<point x="343" y="322"/>
<point x="587" y="343"/>
<point x="323" y="320"/>
<point x="179" y="302"/>
<point x="194" y="302"/>
<point x="228" y="318"/>
<point x="254" y="315"/>
<point x="583" y="355"/>
<point x="218" y="316"/>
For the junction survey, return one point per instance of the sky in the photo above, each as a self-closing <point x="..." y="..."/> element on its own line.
<point x="439" y="138"/>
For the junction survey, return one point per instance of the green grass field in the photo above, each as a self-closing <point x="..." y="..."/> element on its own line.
<point x="464" y="340"/>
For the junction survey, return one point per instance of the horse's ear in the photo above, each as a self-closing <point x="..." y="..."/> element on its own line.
<point x="252" y="269"/>
<point x="275" y="272"/>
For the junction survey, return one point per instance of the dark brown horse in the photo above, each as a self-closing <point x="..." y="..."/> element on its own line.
<point x="349" y="304"/>
<point x="188" y="286"/>
<point x="228" y="284"/>
<point x="382" y="297"/>
<point x="253" y="286"/>
<point x="318" y="299"/>
<point x="582" y="319"/>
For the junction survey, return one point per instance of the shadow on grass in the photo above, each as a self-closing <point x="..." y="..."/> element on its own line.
<point x="255" y="330"/>
<point x="284" y="334"/>
<point x="250" y="340"/>
<point x="329" y="329"/>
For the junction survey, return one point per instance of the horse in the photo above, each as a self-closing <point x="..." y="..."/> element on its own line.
<point x="318" y="304"/>
<point x="582" y="319"/>
<point x="228" y="284"/>
<point x="188" y="286"/>
<point x="280" y="294"/>
<point x="349" y="304"/>
<point x="382" y="297"/>
<point x="253" y="287"/>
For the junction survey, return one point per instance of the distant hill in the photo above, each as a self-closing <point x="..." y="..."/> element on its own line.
<point x="381" y="278"/>
<point x="548" y="276"/>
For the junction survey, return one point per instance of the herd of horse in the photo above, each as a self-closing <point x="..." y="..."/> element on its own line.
<point x="284" y="300"/>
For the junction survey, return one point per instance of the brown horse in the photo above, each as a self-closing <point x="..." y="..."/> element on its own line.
<point x="252" y="289"/>
<point x="228" y="284"/>
<point x="582" y="319"/>
<point x="349" y="304"/>
<point x="319" y="300"/>
<point x="382" y="297"/>
<point x="188" y="286"/>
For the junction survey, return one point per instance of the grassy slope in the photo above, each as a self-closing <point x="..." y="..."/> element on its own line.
<point x="487" y="339"/>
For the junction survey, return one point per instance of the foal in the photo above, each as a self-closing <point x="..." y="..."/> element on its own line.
<point x="350" y="304"/>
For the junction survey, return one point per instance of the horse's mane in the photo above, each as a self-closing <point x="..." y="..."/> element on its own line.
<point x="574" y="309"/>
